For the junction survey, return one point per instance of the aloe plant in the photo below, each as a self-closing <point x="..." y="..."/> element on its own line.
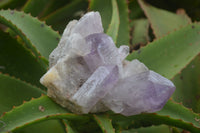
<point x="167" y="42"/>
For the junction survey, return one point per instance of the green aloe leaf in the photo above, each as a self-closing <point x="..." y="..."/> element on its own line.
<point x="49" y="126"/>
<point x="162" y="21"/>
<point x="179" y="112"/>
<point x="30" y="7"/>
<point x="135" y="10"/>
<point x="173" y="114"/>
<point x="69" y="128"/>
<point x="187" y="84"/>
<point x="181" y="12"/>
<point x="152" y="129"/>
<point x="35" y="34"/>
<point x="59" y="18"/>
<point x="66" y="11"/>
<point x="53" y="6"/>
<point x="123" y="33"/>
<point x="105" y="123"/>
<point x="4" y="2"/>
<point x="17" y="61"/>
<point x="114" y="24"/>
<point x="44" y="108"/>
<point x="11" y="4"/>
<point x="110" y="18"/>
<point x="140" y="29"/>
<point x="170" y="54"/>
<point x="114" y="19"/>
<point x="106" y="11"/>
<point x="14" y="91"/>
<point x="38" y="110"/>
<point x="88" y="125"/>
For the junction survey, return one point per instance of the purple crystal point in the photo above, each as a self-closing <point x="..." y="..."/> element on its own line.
<point x="89" y="24"/>
<point x="133" y="67"/>
<point x="123" y="52"/>
<point x="142" y="92"/>
<point x="96" y="87"/>
<point x="103" y="51"/>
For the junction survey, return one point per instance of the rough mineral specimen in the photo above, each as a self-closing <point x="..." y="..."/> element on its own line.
<point x="88" y="73"/>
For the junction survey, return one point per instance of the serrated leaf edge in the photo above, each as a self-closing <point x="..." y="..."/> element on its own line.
<point x="23" y="35"/>
<point x="141" y="3"/>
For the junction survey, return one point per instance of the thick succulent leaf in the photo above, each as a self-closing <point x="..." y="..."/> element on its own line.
<point x="82" y="126"/>
<point x="4" y="2"/>
<point x="170" y="54"/>
<point x="176" y="130"/>
<point x="135" y="10"/>
<point x="152" y="129"/>
<point x="66" y="11"/>
<point x="85" y="126"/>
<point x="30" y="6"/>
<point x="191" y="6"/>
<point x="69" y="128"/>
<point x="49" y="126"/>
<point x="187" y="85"/>
<point x="123" y="33"/>
<point x="61" y="25"/>
<point x="114" y="24"/>
<point x="35" y="34"/>
<point x="140" y="29"/>
<point x="110" y="18"/>
<point x="173" y="114"/>
<point x="179" y="112"/>
<point x="17" y="61"/>
<point x="14" y="91"/>
<point x="59" y="18"/>
<point x="53" y="6"/>
<point x="11" y="4"/>
<point x="44" y="109"/>
<point x="181" y="12"/>
<point x="106" y="11"/>
<point x="105" y="123"/>
<point x="162" y="21"/>
<point x="38" y="110"/>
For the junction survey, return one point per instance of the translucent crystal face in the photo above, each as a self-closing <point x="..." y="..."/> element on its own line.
<point x="103" y="51"/>
<point x="88" y="73"/>
<point x="143" y="92"/>
<point x="96" y="87"/>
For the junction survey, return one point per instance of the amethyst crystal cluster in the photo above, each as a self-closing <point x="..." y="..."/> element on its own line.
<point x="88" y="73"/>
